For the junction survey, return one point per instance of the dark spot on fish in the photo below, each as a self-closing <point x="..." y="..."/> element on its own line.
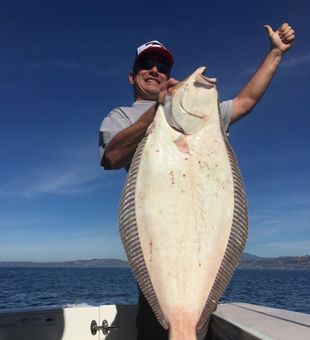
<point x="151" y="250"/>
<point x="186" y="158"/>
<point x="172" y="176"/>
<point x="184" y="175"/>
<point x="157" y="150"/>
<point x="199" y="264"/>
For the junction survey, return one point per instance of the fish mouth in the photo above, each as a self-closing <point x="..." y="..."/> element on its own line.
<point x="202" y="81"/>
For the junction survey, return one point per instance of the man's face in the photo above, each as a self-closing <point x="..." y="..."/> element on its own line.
<point x="150" y="76"/>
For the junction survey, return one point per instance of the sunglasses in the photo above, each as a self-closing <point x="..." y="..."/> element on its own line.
<point x="147" y="64"/>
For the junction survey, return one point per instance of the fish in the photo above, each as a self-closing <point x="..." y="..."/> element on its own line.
<point x="183" y="212"/>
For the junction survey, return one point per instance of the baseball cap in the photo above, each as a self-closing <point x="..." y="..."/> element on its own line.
<point x="154" y="46"/>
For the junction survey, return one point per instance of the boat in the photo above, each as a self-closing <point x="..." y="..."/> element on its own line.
<point x="231" y="321"/>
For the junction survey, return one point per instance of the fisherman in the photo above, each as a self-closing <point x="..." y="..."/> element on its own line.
<point x="124" y="127"/>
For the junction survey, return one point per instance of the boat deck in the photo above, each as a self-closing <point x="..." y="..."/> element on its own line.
<point x="233" y="321"/>
<point x="247" y="321"/>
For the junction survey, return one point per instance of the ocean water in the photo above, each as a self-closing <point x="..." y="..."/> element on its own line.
<point x="57" y="287"/>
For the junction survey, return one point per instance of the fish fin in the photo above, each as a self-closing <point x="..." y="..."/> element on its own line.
<point x="234" y="249"/>
<point x="130" y="236"/>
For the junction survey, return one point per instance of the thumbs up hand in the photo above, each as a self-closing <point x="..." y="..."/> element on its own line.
<point x="282" y="39"/>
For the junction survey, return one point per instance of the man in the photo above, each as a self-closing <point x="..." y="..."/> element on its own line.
<point x="122" y="130"/>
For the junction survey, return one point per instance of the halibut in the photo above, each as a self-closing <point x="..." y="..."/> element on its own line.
<point x="183" y="213"/>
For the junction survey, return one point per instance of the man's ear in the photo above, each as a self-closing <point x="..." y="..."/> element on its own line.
<point x="131" y="78"/>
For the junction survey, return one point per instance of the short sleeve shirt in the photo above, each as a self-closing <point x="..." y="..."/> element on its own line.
<point x="122" y="117"/>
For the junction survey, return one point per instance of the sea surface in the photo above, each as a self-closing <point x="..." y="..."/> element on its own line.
<point x="24" y="288"/>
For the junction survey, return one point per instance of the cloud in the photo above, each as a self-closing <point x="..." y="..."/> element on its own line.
<point x="74" y="248"/>
<point x="290" y="247"/>
<point x="56" y="180"/>
<point x="64" y="65"/>
<point x="68" y="180"/>
<point x="288" y="62"/>
<point x="282" y="248"/>
<point x="296" y="61"/>
<point x="71" y="171"/>
<point x="15" y="222"/>
<point x="32" y="235"/>
<point x="13" y="77"/>
<point x="61" y="181"/>
<point x="69" y="65"/>
<point x="278" y="216"/>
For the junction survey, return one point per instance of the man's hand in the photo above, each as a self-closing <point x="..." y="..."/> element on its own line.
<point x="282" y="39"/>
<point x="167" y="86"/>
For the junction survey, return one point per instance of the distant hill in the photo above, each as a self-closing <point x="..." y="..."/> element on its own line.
<point x="251" y="257"/>
<point x="288" y="262"/>
<point x="247" y="261"/>
<point x="94" y="263"/>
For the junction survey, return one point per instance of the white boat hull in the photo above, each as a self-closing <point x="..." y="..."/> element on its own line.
<point x="230" y="321"/>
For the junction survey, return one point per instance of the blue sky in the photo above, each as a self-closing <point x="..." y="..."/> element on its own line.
<point x="64" y="66"/>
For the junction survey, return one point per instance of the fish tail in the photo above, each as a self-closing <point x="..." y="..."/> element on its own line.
<point x="186" y="333"/>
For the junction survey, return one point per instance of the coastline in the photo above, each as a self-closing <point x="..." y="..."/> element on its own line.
<point x="246" y="262"/>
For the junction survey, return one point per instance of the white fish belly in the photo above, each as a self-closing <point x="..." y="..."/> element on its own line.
<point x="184" y="210"/>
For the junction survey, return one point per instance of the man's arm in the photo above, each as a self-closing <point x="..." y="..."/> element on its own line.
<point x="281" y="40"/>
<point x="123" y="145"/>
<point x="121" y="148"/>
